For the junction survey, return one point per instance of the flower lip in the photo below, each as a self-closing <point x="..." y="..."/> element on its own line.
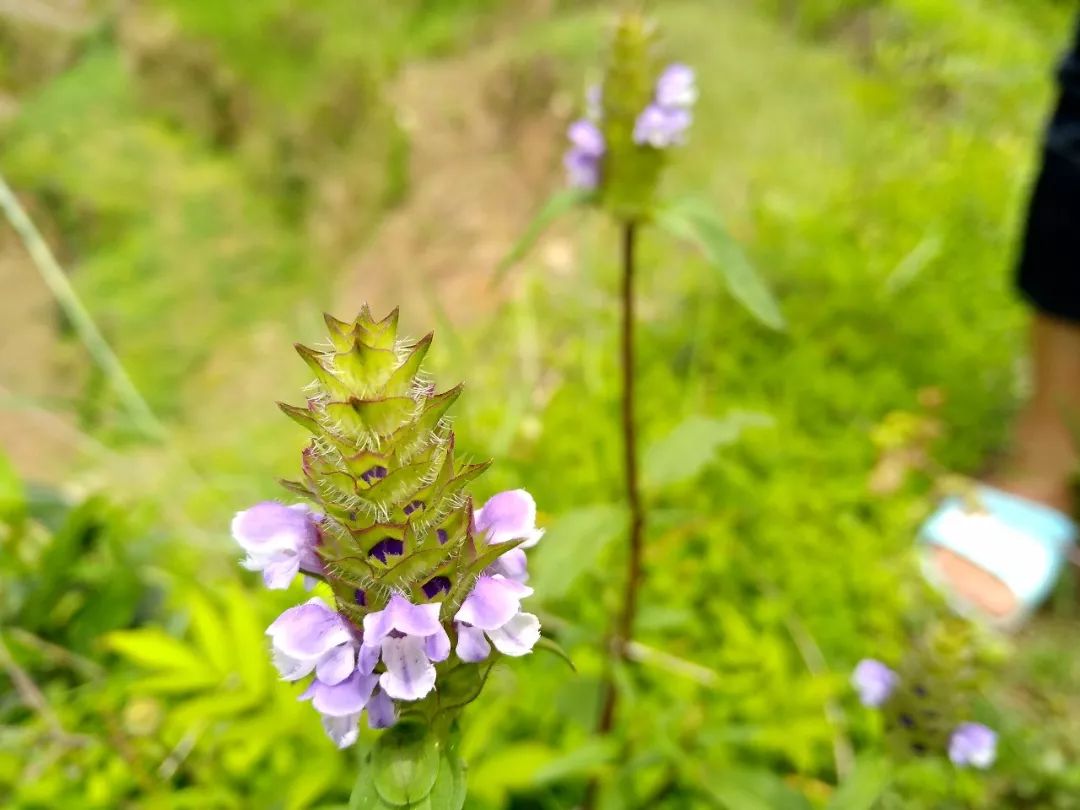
<point x="874" y="682"/>
<point x="973" y="744"/>
<point x="677" y="86"/>
<point x="509" y="515"/>
<point x="586" y="137"/>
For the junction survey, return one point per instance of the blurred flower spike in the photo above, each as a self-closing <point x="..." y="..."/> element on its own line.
<point x="420" y="592"/>
<point x="657" y="119"/>
<point x="924" y="710"/>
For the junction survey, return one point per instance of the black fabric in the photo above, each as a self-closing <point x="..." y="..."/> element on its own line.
<point x="1049" y="267"/>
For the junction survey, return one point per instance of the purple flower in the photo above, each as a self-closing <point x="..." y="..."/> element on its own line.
<point x="874" y="682"/>
<point x="973" y="744"/>
<point x="493" y="611"/>
<point x="342" y="703"/>
<point x="676" y="86"/>
<point x="310" y="637"/>
<point x="409" y="639"/>
<point x="582" y="160"/>
<point x="661" y="127"/>
<point x="279" y="540"/>
<point x="586" y="137"/>
<point x="509" y="515"/>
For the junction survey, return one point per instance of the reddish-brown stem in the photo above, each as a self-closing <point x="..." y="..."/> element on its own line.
<point x="624" y="623"/>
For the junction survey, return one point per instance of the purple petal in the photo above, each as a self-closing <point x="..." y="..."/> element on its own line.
<point x="676" y="87"/>
<point x="409" y="674"/>
<point x="437" y="646"/>
<point x="512" y="565"/>
<point x="344" y="731"/>
<point x="492" y="602"/>
<point x="973" y="744"/>
<point x="278" y="571"/>
<point x="348" y="697"/>
<point x="582" y="170"/>
<point x="586" y="138"/>
<point x="518" y="636"/>
<point x="405" y="617"/>
<point x="309" y="630"/>
<point x="336" y="665"/>
<point x="271" y="526"/>
<point x="509" y="515"/>
<point x="369" y="657"/>
<point x="289" y="668"/>
<point x="380" y="710"/>
<point x="661" y="127"/>
<point x="472" y="644"/>
<point x="874" y="682"/>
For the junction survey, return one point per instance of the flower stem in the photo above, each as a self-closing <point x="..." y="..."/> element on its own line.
<point x="624" y="625"/>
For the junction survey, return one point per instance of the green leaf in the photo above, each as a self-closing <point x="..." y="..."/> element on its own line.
<point x="557" y="204"/>
<point x="552" y="646"/>
<point x="401" y="381"/>
<point x="12" y="493"/>
<point x="688" y="449"/>
<point x="752" y="790"/>
<point x="405" y="764"/>
<point x="450" y="787"/>
<point x="155" y="649"/>
<point x="572" y="546"/>
<point x="695" y="222"/>
<point x="589" y="758"/>
<point x="861" y="790"/>
<point x="510" y="767"/>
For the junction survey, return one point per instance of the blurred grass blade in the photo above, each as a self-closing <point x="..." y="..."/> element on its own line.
<point x="862" y="790"/>
<point x="752" y="790"/>
<point x="57" y="282"/>
<point x="557" y="204"/>
<point x="695" y="222"/>
<point x="691" y="447"/>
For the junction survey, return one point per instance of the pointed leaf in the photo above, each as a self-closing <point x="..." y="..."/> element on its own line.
<point x="688" y="449"/>
<point x="419" y="565"/>
<point x="696" y="223"/>
<point x="379" y="334"/>
<point x="341" y="332"/>
<point x="318" y="364"/>
<point x="557" y="204"/>
<point x="363" y="369"/>
<point x="401" y="381"/>
<point x="415" y="436"/>
<point x="573" y="545"/>
<point x="302" y="416"/>
<point x="488" y="554"/>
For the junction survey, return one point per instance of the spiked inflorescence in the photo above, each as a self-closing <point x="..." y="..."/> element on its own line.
<point x="927" y="703"/>
<point x="386" y="522"/>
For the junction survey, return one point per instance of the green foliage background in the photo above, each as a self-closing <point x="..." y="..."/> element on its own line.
<point x="872" y="156"/>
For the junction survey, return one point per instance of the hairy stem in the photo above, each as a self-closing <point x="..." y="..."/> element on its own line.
<point x="624" y="624"/>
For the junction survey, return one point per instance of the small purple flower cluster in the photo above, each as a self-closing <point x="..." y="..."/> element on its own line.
<point x="970" y="744"/>
<point x="666" y="120"/>
<point x="663" y="123"/>
<point x="392" y="655"/>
